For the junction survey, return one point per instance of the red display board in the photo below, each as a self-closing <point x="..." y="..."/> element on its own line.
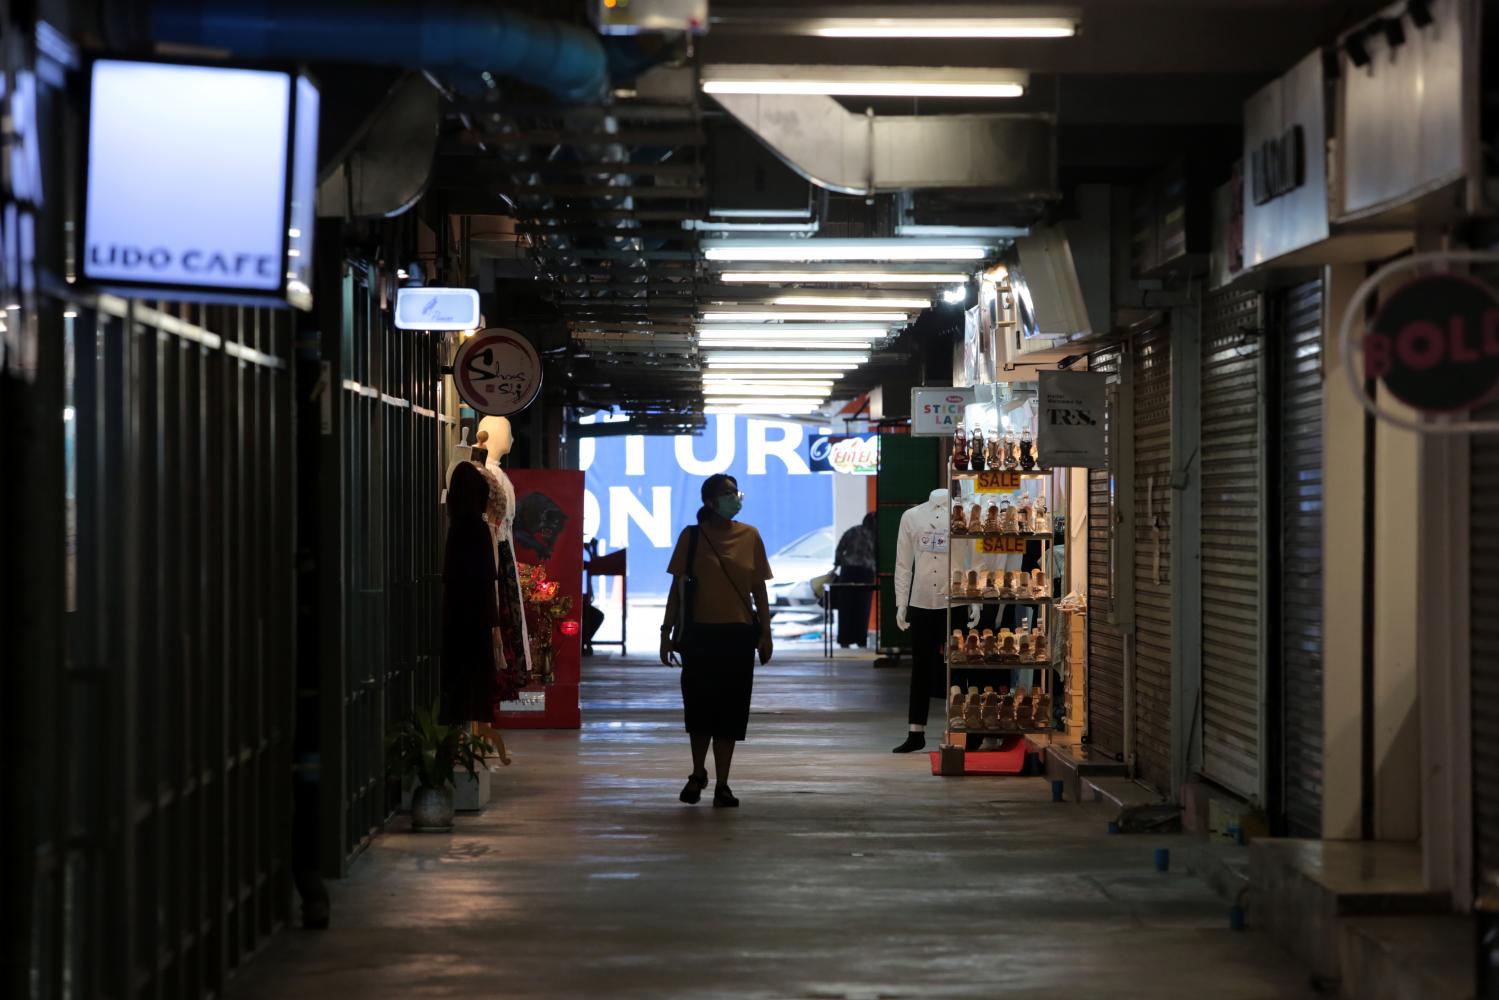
<point x="549" y="534"/>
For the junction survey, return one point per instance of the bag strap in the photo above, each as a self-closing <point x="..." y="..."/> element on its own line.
<point x="742" y="600"/>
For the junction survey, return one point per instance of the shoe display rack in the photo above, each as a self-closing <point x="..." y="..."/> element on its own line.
<point x="1002" y="502"/>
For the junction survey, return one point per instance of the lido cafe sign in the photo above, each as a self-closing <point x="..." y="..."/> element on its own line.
<point x="200" y="182"/>
<point x="1433" y="343"/>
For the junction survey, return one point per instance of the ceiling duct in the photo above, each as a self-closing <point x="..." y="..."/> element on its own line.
<point x="385" y="168"/>
<point x="867" y="154"/>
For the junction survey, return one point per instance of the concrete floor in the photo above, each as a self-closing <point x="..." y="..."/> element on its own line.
<point x="848" y="873"/>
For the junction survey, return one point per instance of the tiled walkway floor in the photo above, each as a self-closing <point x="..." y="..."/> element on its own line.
<point x="848" y="873"/>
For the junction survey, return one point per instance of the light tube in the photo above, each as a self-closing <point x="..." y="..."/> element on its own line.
<point x="944" y="27"/>
<point x="849" y="302"/>
<point x="803" y="317"/>
<point x="769" y="408"/>
<point x="771" y="375"/>
<point x="855" y="331"/>
<point x="784" y="344"/>
<point x="815" y="392"/>
<point x="741" y="363"/>
<point x="853" y="88"/>
<point x="832" y="357"/>
<point x="842" y="250"/>
<point x="843" y="277"/>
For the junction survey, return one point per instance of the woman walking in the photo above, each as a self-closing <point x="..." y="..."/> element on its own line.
<point x="855" y="563"/>
<point x="718" y="565"/>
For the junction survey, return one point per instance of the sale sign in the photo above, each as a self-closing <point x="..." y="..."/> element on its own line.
<point x="996" y="482"/>
<point x="1434" y="343"/>
<point x="1000" y="545"/>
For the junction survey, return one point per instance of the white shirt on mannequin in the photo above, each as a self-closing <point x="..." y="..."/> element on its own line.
<point x="921" y="558"/>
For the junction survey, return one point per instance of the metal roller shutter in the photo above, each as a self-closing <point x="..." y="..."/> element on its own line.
<point x="1484" y="615"/>
<point x="1153" y="510"/>
<point x="1105" y="687"/>
<point x="1301" y="557"/>
<point x="1232" y="549"/>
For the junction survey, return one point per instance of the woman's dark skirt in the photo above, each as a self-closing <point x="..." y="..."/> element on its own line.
<point x="718" y="672"/>
<point x="853" y="606"/>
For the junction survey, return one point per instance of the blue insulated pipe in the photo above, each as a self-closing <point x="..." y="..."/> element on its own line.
<point x="473" y="35"/>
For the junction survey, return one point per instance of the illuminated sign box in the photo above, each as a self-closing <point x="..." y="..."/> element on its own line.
<point x="199" y="182"/>
<point x="437" y="309"/>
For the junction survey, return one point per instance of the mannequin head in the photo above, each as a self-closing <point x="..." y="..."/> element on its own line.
<point x="500" y="439"/>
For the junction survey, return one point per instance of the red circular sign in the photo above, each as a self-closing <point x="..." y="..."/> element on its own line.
<point x="1435" y="343"/>
<point x="497" y="372"/>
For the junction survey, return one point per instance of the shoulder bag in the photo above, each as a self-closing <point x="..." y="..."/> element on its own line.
<point x="754" y="618"/>
<point x="686" y="585"/>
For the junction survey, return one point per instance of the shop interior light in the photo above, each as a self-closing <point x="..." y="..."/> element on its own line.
<point x="842" y="250"/>
<point x="767" y="407"/>
<point x="751" y="389"/>
<point x="955" y="294"/>
<point x="943" y="27"/>
<point x="789" y="316"/>
<point x="842" y="277"/>
<point x="708" y="340"/>
<point x="849" y="302"/>
<point x="794" y="331"/>
<point x="772" y="375"/>
<point x="864" y="81"/>
<point x="747" y="363"/>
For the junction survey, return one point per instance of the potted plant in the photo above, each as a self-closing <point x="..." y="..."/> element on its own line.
<point x="428" y="752"/>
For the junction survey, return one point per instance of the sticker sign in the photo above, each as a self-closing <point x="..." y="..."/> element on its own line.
<point x="1435" y="343"/>
<point x="1070" y="419"/>
<point x="996" y="482"/>
<point x="999" y="545"/>
<point x="497" y="372"/>
<point x="939" y="412"/>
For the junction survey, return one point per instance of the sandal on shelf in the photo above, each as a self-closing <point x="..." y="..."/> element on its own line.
<point x="693" y="790"/>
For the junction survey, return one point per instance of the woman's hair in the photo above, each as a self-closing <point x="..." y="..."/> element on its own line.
<point x="712" y="487"/>
<point x="871" y="520"/>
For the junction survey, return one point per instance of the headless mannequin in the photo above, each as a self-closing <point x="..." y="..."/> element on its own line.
<point x="921" y="564"/>
<point x="496" y="439"/>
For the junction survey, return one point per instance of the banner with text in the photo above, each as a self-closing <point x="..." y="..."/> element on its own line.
<point x="1070" y="419"/>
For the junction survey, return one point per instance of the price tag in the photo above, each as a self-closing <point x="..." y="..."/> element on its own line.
<point x="999" y="545"/>
<point x="997" y="482"/>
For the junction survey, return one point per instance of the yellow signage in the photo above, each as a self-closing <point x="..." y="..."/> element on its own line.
<point x="997" y="482"/>
<point x="1000" y="545"/>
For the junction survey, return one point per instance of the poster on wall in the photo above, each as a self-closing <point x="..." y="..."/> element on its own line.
<point x="851" y="455"/>
<point x="549" y="551"/>
<point x="1070" y="419"/>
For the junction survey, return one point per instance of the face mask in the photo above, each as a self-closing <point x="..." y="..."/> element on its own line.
<point x="729" y="506"/>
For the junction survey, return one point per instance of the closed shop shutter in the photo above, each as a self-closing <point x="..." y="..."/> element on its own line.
<point x="1484" y="614"/>
<point x="1232" y="553"/>
<point x="1301" y="557"/>
<point x="1153" y="510"/>
<point x="1105" y="687"/>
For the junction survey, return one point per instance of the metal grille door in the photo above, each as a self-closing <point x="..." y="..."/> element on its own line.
<point x="1484" y="614"/>
<point x="1232" y="546"/>
<point x="1301" y="557"/>
<point x="1153" y="510"/>
<point x="1105" y="687"/>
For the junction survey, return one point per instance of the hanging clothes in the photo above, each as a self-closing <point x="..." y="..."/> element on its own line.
<point x="515" y="643"/>
<point x="470" y="675"/>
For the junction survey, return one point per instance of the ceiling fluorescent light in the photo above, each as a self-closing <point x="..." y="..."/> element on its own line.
<point x="787" y="357"/>
<point x="763" y="374"/>
<point x="849" y="302"/>
<point x="795" y="331"/>
<point x="944" y="27"/>
<point x="768" y="408"/>
<point x="843" y="250"/>
<point x="843" y="277"/>
<point x="789" y="316"/>
<point x="803" y="345"/>
<point x="758" y="363"/>
<point x="864" y="81"/>
<point x="732" y="389"/>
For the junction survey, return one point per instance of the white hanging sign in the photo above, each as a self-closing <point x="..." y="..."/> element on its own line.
<point x="1070" y="419"/>
<point x="938" y="412"/>
<point x="437" y="309"/>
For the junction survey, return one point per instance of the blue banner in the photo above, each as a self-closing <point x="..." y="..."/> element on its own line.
<point x="641" y="491"/>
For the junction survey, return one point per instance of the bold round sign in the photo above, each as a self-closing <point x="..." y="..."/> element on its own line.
<point x="1435" y="343"/>
<point x="497" y="372"/>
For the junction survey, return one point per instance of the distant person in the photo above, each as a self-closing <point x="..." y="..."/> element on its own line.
<point x="718" y="565"/>
<point x="854" y="562"/>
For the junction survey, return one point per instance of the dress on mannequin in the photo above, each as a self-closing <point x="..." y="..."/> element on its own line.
<point x="471" y="679"/>
<point x="495" y="439"/>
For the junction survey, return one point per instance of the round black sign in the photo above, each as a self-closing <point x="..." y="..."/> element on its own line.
<point x="1435" y="343"/>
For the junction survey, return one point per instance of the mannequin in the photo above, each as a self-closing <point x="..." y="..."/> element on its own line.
<point x="495" y="441"/>
<point x="921" y="565"/>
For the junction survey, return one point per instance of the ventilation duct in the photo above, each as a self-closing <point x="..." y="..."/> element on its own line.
<point x="868" y="154"/>
<point x="476" y="35"/>
<point x="387" y="166"/>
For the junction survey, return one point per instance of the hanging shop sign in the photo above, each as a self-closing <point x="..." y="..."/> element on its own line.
<point x="437" y="309"/>
<point x="938" y="412"/>
<point x="1070" y="419"/>
<point x="1434" y="343"/>
<point x="200" y="182"/>
<point x="855" y="455"/>
<point x="497" y="372"/>
<point x="1407" y="127"/>
<point x="1284" y="193"/>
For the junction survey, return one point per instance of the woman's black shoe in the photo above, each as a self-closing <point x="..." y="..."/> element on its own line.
<point x="723" y="798"/>
<point x="693" y="790"/>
